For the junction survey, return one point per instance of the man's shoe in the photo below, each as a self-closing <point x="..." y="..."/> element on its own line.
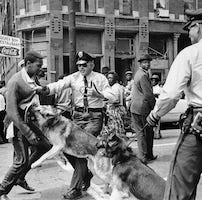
<point x="150" y="159"/>
<point x="4" y="197"/>
<point x="73" y="194"/>
<point x="24" y="185"/>
<point x="87" y="180"/>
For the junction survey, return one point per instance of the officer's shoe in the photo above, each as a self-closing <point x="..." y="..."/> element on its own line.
<point x="86" y="183"/>
<point x="24" y="185"/>
<point x="73" y="194"/>
<point x="150" y="159"/>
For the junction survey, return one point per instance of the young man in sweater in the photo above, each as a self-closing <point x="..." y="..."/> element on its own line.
<point x="21" y="93"/>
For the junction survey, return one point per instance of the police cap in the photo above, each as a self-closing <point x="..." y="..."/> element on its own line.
<point x="83" y="57"/>
<point x="194" y="16"/>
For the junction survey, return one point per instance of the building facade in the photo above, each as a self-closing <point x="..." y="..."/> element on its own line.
<point x="115" y="32"/>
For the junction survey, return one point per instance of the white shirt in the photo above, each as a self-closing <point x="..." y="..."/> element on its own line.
<point x="157" y="89"/>
<point x="119" y="93"/>
<point x="2" y="103"/>
<point x="75" y="81"/>
<point x="33" y="85"/>
<point x="185" y="75"/>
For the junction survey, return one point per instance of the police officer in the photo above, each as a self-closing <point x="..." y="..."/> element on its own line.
<point x="89" y="89"/>
<point x="185" y="75"/>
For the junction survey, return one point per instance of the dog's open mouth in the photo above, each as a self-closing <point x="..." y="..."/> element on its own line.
<point x="109" y="146"/>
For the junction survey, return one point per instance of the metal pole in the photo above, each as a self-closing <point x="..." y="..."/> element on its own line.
<point x="72" y="36"/>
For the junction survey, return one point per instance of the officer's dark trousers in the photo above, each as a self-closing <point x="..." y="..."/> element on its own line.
<point x="92" y="123"/>
<point x="185" y="169"/>
<point x="144" y="136"/>
<point x="2" y="134"/>
<point x="22" y="160"/>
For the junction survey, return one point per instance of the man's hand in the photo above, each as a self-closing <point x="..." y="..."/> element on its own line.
<point x="42" y="90"/>
<point x="152" y="120"/>
<point x="34" y="140"/>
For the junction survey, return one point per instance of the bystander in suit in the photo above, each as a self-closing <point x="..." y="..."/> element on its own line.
<point x="143" y="101"/>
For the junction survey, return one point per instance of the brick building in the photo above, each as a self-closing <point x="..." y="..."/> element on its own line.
<point x="116" y="32"/>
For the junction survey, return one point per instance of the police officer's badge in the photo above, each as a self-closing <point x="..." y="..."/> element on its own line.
<point x="80" y="54"/>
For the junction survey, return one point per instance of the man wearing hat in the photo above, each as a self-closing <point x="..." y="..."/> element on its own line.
<point x="89" y="89"/>
<point x="143" y="101"/>
<point x="21" y="92"/>
<point x="185" y="75"/>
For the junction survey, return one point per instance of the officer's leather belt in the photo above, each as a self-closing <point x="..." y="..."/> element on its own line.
<point x="82" y="109"/>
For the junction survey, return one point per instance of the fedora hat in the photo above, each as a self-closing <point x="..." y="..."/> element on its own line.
<point x="145" y="57"/>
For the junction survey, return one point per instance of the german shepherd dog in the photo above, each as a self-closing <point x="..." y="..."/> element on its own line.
<point x="66" y="137"/>
<point x="108" y="157"/>
<point x="129" y="173"/>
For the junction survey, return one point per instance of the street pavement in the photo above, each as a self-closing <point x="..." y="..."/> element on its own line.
<point x="51" y="181"/>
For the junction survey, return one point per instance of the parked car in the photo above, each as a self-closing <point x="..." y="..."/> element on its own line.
<point x="171" y="118"/>
<point x="174" y="115"/>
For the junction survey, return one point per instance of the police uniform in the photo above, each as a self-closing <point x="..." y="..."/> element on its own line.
<point x="185" y="75"/>
<point x="89" y="118"/>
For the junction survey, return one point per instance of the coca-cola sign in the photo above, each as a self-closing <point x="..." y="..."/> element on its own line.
<point x="10" y="46"/>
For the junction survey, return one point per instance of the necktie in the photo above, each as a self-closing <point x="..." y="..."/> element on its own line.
<point x="85" y="96"/>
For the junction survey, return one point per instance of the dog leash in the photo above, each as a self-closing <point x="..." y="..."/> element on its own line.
<point x="137" y="133"/>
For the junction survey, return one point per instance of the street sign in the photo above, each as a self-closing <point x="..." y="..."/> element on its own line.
<point x="10" y="46"/>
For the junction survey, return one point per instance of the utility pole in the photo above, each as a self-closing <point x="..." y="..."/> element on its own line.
<point x="72" y="36"/>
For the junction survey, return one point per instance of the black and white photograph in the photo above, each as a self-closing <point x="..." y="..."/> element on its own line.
<point x="100" y="99"/>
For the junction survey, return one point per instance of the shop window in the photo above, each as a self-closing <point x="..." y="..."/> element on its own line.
<point x="158" y="47"/>
<point x="161" y="8"/>
<point x="124" y="46"/>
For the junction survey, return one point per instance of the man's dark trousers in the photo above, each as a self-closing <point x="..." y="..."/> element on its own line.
<point x="21" y="160"/>
<point x="144" y="136"/>
<point x="92" y="123"/>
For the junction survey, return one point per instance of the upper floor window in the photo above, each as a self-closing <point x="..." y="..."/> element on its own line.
<point x="77" y="5"/>
<point x="90" y="6"/>
<point x="125" y="7"/>
<point x="161" y="8"/>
